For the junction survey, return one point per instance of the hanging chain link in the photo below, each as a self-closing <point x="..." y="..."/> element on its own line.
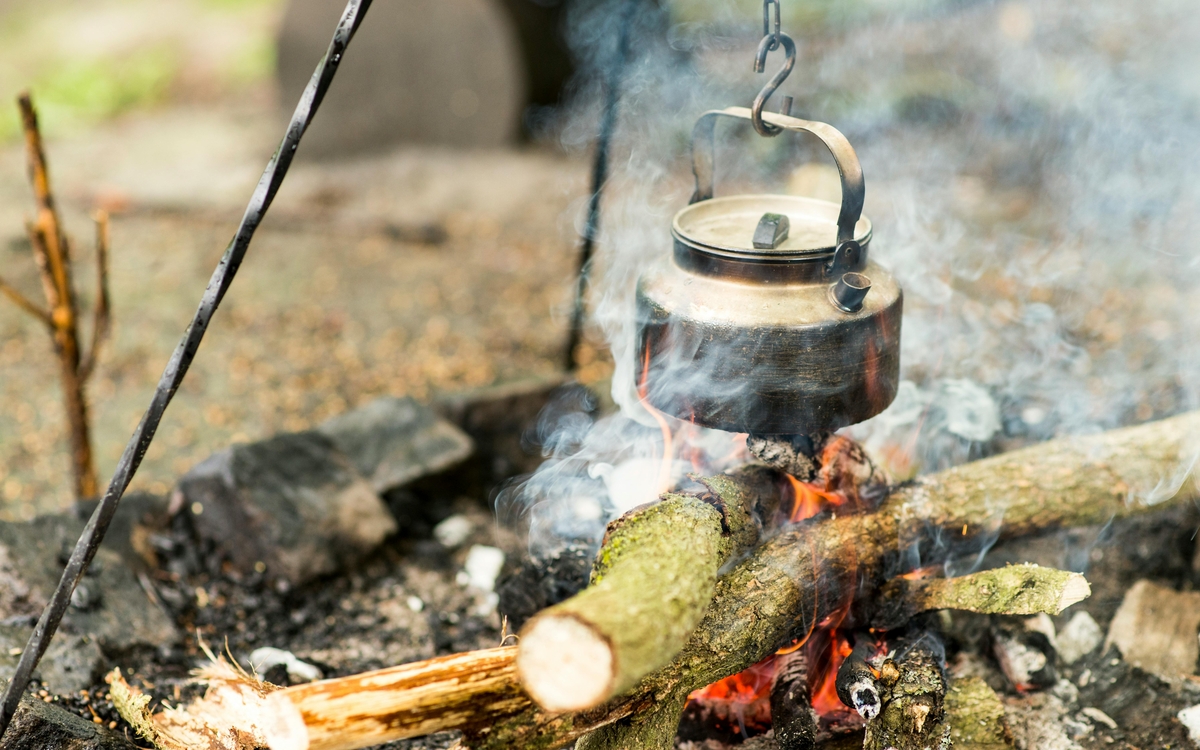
<point x="771" y="29"/>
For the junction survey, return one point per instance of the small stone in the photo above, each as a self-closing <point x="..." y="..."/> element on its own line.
<point x="1155" y="629"/>
<point x="453" y="531"/>
<point x="293" y="504"/>
<point x="414" y="603"/>
<point x="40" y="724"/>
<point x="1190" y="718"/>
<point x="393" y="441"/>
<point x="483" y="567"/>
<point x="1079" y="637"/>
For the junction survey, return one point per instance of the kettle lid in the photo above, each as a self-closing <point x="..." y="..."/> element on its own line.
<point x="764" y="226"/>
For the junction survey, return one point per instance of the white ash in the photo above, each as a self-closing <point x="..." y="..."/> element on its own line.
<point x="453" y="531"/>
<point x="265" y="658"/>
<point x="865" y="696"/>
<point x="1079" y="637"/>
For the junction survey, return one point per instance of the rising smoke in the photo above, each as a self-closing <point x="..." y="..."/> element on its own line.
<point x="1030" y="172"/>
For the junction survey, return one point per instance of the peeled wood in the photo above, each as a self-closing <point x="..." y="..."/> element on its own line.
<point x="1025" y="589"/>
<point x="793" y="580"/>
<point x="651" y="584"/>
<point x="463" y="691"/>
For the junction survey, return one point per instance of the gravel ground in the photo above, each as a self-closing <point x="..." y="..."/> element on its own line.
<point x="415" y="272"/>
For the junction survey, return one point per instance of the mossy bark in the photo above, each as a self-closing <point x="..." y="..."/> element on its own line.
<point x="655" y="574"/>
<point x="976" y="716"/>
<point x="793" y="580"/>
<point x="1024" y="589"/>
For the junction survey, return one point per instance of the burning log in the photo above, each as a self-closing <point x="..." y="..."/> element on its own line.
<point x="654" y="577"/>
<point x="857" y="683"/>
<point x="912" y="686"/>
<point x="1013" y="590"/>
<point x="792" y="715"/>
<point x="792" y="581"/>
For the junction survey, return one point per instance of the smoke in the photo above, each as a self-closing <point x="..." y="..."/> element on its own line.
<point x="1030" y="177"/>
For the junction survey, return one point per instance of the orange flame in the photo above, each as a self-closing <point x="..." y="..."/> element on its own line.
<point x="664" y="472"/>
<point x="808" y="499"/>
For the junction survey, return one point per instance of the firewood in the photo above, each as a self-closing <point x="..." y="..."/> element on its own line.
<point x="794" y="579"/>
<point x="792" y="717"/>
<point x="857" y="684"/>
<point x="1025" y="589"/>
<point x="461" y="691"/>
<point x="912" y="686"/>
<point x="654" y="577"/>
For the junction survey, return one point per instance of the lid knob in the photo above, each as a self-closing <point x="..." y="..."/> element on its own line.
<point x="771" y="230"/>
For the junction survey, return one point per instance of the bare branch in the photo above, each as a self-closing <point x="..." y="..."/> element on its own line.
<point x="101" y="319"/>
<point x="25" y="303"/>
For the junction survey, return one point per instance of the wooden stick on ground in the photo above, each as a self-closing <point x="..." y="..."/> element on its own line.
<point x="793" y="580"/>
<point x="464" y="691"/>
<point x="52" y="252"/>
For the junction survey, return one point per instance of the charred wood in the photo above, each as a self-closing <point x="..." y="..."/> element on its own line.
<point x="792" y="716"/>
<point x="857" y="683"/>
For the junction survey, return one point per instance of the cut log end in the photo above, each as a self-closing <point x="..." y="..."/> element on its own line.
<point x="1075" y="590"/>
<point x="286" y="730"/>
<point x="564" y="664"/>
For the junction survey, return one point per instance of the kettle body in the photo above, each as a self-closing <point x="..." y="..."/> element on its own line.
<point x="769" y="317"/>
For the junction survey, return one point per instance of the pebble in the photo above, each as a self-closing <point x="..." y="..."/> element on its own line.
<point x="482" y="567"/>
<point x="453" y="531"/>
<point x="1079" y="637"/>
<point x="1190" y="717"/>
<point x="414" y="603"/>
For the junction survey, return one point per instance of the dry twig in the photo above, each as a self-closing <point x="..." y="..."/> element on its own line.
<point x="51" y="251"/>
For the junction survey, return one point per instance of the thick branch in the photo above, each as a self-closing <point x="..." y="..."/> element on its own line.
<point x="654" y="578"/>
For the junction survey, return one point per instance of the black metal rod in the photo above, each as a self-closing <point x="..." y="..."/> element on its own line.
<point x="608" y="124"/>
<point x="181" y="359"/>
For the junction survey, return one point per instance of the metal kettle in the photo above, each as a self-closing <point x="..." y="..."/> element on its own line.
<point x="768" y="317"/>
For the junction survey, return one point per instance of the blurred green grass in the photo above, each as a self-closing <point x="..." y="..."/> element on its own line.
<point x="87" y="62"/>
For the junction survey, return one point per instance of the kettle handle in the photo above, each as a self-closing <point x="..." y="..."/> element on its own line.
<point x="853" y="189"/>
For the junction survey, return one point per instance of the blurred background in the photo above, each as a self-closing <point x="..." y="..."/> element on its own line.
<point x="1029" y="174"/>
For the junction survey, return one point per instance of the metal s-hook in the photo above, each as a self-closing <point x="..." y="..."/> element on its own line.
<point x="760" y="62"/>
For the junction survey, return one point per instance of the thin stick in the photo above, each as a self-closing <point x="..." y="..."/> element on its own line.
<point x="181" y="359"/>
<point x="599" y="176"/>
<point x="26" y="304"/>
<point x="51" y="250"/>
<point x="101" y="318"/>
